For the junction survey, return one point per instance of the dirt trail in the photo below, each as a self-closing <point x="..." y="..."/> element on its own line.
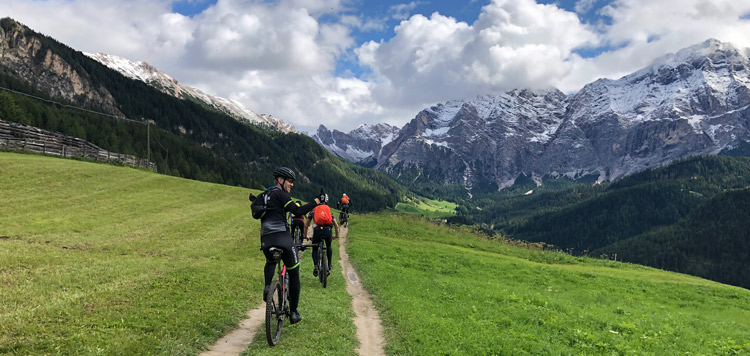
<point x="366" y="319"/>
<point x="239" y="339"/>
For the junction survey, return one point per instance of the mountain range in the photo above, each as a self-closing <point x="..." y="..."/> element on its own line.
<point x="146" y="73"/>
<point x="691" y="102"/>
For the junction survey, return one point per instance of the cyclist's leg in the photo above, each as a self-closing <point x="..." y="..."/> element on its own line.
<point x="329" y="250"/>
<point x="283" y="240"/>
<point x="315" y="241"/>
<point x="291" y="261"/>
<point x="266" y="242"/>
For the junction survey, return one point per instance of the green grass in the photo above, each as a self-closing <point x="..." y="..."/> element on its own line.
<point x="98" y="259"/>
<point x="443" y="291"/>
<point x="428" y="208"/>
<point x="326" y="327"/>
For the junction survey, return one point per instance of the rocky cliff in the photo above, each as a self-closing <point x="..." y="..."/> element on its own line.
<point x="30" y="57"/>
<point x="695" y="101"/>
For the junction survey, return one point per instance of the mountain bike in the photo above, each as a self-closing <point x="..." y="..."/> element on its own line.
<point x="276" y="300"/>
<point x="297" y="236"/>
<point x="344" y="218"/>
<point x="322" y="265"/>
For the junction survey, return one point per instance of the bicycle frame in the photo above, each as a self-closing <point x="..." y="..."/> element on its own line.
<point x="276" y="300"/>
<point x="321" y="265"/>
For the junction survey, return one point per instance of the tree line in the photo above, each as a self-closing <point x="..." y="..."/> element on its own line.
<point x="188" y="139"/>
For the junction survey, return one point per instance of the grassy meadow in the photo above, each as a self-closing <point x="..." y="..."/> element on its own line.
<point x="103" y="260"/>
<point x="443" y="291"/>
<point x="428" y="208"/>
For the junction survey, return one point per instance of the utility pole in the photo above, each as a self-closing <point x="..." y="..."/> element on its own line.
<point x="148" y="142"/>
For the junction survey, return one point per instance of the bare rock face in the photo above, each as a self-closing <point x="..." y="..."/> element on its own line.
<point x="361" y="145"/>
<point x="695" y="101"/>
<point x="26" y="56"/>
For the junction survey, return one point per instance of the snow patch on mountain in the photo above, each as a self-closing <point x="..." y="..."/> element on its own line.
<point x="148" y="74"/>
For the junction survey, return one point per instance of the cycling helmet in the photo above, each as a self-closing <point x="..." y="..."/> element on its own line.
<point x="344" y="194"/>
<point x="285" y="173"/>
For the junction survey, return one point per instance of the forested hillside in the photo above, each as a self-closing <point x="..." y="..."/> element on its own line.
<point x="650" y="217"/>
<point x="712" y="242"/>
<point x="188" y="140"/>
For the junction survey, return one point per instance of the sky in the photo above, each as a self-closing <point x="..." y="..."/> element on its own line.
<point x="343" y="63"/>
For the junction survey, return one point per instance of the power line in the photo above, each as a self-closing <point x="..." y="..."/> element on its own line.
<point x="71" y="106"/>
<point x="94" y="112"/>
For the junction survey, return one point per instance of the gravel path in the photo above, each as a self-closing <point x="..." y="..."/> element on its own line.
<point x="366" y="319"/>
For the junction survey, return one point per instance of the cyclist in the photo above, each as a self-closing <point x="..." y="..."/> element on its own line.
<point x="344" y="204"/>
<point x="297" y="221"/>
<point x="274" y="232"/>
<point x="322" y="230"/>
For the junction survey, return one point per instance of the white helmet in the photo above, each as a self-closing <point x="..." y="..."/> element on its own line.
<point x="344" y="194"/>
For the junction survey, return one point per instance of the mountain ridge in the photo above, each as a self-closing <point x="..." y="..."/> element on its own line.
<point x="694" y="101"/>
<point x="148" y="74"/>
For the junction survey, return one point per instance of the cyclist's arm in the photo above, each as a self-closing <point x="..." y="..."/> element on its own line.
<point x="307" y="225"/>
<point x="336" y="226"/>
<point x="292" y="207"/>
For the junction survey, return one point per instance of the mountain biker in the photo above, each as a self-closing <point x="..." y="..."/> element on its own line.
<point x="274" y="232"/>
<point x="321" y="232"/>
<point x="297" y="221"/>
<point x="344" y="204"/>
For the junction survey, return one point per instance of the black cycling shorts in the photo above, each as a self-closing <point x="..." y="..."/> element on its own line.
<point x="282" y="240"/>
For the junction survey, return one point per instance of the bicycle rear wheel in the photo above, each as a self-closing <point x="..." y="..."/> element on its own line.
<point x="274" y="313"/>
<point x="297" y="236"/>
<point x="323" y="276"/>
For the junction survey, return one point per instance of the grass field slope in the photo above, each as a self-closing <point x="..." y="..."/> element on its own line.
<point x="443" y="291"/>
<point x="104" y="260"/>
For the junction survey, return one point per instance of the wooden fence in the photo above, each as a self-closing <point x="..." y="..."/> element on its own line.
<point x="14" y="137"/>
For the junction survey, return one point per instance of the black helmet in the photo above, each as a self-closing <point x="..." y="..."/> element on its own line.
<point x="284" y="172"/>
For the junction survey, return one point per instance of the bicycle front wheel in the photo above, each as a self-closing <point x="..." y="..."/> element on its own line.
<point x="274" y="313"/>
<point x="323" y="267"/>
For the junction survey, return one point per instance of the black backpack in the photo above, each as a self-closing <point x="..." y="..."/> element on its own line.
<point x="260" y="204"/>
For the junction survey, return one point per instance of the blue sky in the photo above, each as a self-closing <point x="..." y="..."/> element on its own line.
<point x="392" y="12"/>
<point x="344" y="63"/>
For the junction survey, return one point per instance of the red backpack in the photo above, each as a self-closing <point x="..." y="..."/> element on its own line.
<point x="322" y="215"/>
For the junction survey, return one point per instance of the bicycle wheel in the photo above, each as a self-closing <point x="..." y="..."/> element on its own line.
<point x="323" y="266"/>
<point x="274" y="313"/>
<point x="297" y="237"/>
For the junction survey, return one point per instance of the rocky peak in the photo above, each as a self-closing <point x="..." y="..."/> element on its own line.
<point x="694" y="101"/>
<point x="148" y="74"/>
<point x="30" y="57"/>
<point x="361" y="145"/>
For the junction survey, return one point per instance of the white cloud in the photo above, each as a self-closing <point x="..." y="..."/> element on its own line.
<point x="584" y="6"/>
<point x="402" y="11"/>
<point x="643" y="30"/>
<point x="512" y="44"/>
<point x="280" y="57"/>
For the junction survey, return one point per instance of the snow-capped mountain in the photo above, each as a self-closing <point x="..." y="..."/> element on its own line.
<point x="360" y="145"/>
<point x="148" y="74"/>
<point x="695" y="101"/>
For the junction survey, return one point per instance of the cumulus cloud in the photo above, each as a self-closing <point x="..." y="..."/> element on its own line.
<point x="643" y="30"/>
<point x="284" y="57"/>
<point x="512" y="44"/>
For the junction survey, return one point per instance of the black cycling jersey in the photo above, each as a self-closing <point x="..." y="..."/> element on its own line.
<point x="279" y="202"/>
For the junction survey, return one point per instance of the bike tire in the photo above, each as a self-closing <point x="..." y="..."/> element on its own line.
<point x="274" y="314"/>
<point x="323" y="268"/>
